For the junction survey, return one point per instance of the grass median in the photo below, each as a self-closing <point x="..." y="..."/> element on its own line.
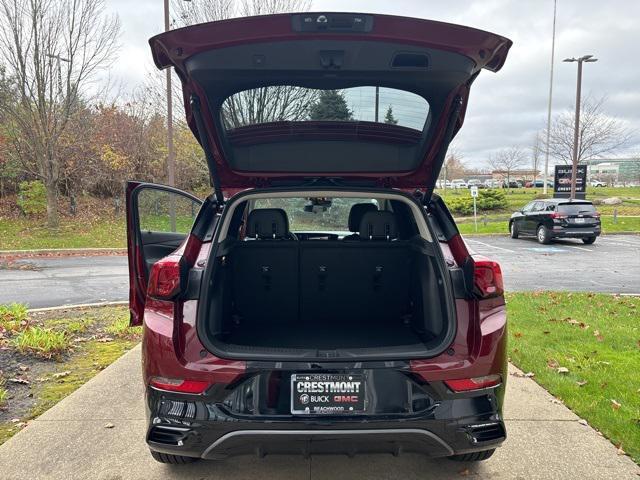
<point x="46" y="356"/>
<point x="584" y="348"/>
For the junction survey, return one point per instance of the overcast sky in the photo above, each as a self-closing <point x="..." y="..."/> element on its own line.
<point x="506" y="108"/>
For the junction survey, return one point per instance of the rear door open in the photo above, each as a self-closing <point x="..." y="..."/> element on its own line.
<point x="159" y="219"/>
<point x="234" y="68"/>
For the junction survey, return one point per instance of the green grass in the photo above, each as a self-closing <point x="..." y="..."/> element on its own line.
<point x="120" y="327"/>
<point x="28" y="234"/>
<point x="12" y="316"/>
<point x="499" y="224"/>
<point x="3" y="392"/>
<point x="519" y="197"/>
<point x="43" y="342"/>
<point x="597" y="338"/>
<point x="79" y="365"/>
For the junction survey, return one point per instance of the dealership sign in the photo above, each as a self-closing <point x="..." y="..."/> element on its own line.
<point x="562" y="181"/>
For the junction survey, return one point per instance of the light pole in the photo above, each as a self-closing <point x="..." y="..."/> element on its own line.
<point x="546" y="150"/>
<point x="171" y="154"/>
<point x="576" y="132"/>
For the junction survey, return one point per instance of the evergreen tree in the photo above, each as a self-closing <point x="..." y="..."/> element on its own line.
<point x="331" y="105"/>
<point x="389" y="118"/>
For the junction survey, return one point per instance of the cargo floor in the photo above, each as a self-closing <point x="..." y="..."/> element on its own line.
<point x="324" y="336"/>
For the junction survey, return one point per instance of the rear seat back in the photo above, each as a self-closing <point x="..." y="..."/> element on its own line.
<point x="354" y="281"/>
<point x="265" y="270"/>
<point x="283" y="281"/>
<point x="357" y="282"/>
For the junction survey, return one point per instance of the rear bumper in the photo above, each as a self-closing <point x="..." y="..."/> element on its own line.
<point x="575" y="232"/>
<point x="435" y="432"/>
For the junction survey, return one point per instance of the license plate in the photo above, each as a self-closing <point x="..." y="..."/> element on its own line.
<point x="327" y="393"/>
<point x="578" y="220"/>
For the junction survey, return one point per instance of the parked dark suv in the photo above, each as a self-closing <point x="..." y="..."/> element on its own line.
<point x="556" y="218"/>
<point x="321" y="298"/>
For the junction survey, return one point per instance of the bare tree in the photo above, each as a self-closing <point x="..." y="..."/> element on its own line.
<point x="266" y="104"/>
<point x="51" y="49"/>
<point x="537" y="152"/>
<point x="507" y="160"/>
<point x="599" y="133"/>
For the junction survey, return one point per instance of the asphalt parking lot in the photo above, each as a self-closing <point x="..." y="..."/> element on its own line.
<point x="610" y="265"/>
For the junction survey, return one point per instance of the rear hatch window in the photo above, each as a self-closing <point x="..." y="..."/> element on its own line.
<point x="576" y="209"/>
<point x="299" y="129"/>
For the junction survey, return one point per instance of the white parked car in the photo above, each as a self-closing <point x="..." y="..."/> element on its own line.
<point x="459" y="183"/>
<point x="597" y="183"/>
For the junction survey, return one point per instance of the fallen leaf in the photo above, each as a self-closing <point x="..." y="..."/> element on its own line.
<point x="546" y="332"/>
<point x="582" y="421"/>
<point x="20" y="380"/>
<point x="563" y="370"/>
<point x="109" y="425"/>
<point x="61" y="374"/>
<point x="517" y="334"/>
<point x="584" y="326"/>
<point x="23" y="368"/>
<point x="571" y="321"/>
<point x="105" y="339"/>
<point x="581" y="383"/>
<point x="552" y="364"/>
<point x="615" y="405"/>
<point x="464" y="472"/>
<point x="529" y="375"/>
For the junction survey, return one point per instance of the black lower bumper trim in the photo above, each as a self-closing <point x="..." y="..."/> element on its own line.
<point x="307" y="442"/>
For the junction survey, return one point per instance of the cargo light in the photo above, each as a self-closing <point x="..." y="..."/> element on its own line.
<point x="487" y="277"/>
<point x="179" y="385"/>
<point x="477" y="383"/>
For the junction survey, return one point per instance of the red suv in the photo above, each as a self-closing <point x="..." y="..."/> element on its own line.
<point x="321" y="298"/>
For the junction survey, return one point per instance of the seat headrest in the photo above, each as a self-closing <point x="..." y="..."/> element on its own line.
<point x="378" y="226"/>
<point x="268" y="223"/>
<point x="357" y="212"/>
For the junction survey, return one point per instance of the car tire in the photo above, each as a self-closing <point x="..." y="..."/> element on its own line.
<point x="542" y="234"/>
<point x="513" y="230"/>
<point x="588" y="240"/>
<point x="171" y="459"/>
<point x="473" y="457"/>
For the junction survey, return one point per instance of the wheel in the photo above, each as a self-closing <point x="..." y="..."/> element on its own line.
<point x="589" y="240"/>
<point x="543" y="235"/>
<point x="513" y="230"/>
<point x="473" y="457"/>
<point x="171" y="459"/>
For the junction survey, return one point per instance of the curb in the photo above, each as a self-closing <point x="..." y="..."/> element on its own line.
<point x="81" y="305"/>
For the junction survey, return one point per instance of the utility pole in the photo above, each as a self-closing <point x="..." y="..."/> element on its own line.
<point x="171" y="154"/>
<point x="546" y="150"/>
<point x="377" y="102"/>
<point x="576" y="131"/>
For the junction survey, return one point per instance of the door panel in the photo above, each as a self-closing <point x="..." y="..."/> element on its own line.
<point x="159" y="219"/>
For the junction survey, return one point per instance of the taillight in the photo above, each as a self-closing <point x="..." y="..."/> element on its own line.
<point x="487" y="277"/>
<point x="557" y="215"/>
<point x="164" y="279"/>
<point x="179" y="385"/>
<point x="477" y="383"/>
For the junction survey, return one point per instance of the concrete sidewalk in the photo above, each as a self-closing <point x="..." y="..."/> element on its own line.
<point x="70" y="441"/>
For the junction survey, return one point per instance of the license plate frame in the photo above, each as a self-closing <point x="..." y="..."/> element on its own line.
<point x="579" y="220"/>
<point x="328" y="393"/>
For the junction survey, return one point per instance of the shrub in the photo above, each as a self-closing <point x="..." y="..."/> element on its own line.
<point x="41" y="341"/>
<point x="12" y="316"/>
<point x="488" y="200"/>
<point x="32" y="198"/>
